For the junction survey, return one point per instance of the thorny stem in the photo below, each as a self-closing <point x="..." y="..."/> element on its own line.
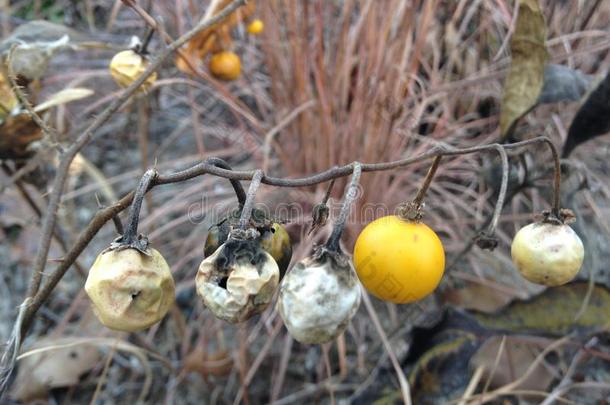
<point x="87" y="134"/>
<point x="333" y="241"/>
<point x="106" y="214"/>
<point x="246" y="211"/>
<point x="237" y="187"/>
<point x="131" y="232"/>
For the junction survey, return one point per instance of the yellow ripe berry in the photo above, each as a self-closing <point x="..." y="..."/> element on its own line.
<point x="225" y="65"/>
<point x="399" y="261"/>
<point x="255" y="27"/>
<point x="127" y="66"/>
<point x="130" y="290"/>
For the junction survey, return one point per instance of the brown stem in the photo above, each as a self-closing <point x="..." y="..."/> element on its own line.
<point x="350" y="196"/>
<point x="246" y="211"/>
<point x="237" y="187"/>
<point x="108" y="213"/>
<point x="131" y="232"/>
<point x="87" y="135"/>
<point x="421" y="193"/>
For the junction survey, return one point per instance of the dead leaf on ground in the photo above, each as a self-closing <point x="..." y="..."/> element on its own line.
<point x="554" y="312"/>
<point x="526" y="75"/>
<point x="17" y="132"/>
<point x="53" y="368"/>
<point x="478" y="297"/>
<point x="516" y="357"/>
<point x="593" y="118"/>
<point x="218" y="363"/>
<point x="563" y="84"/>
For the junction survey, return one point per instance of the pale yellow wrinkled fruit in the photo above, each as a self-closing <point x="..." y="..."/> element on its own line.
<point x="318" y="298"/>
<point x="129" y="290"/>
<point x="548" y="254"/>
<point x="243" y="290"/>
<point x="127" y="66"/>
<point x="8" y="100"/>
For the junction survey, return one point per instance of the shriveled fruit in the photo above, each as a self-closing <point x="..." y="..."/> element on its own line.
<point x="130" y="290"/>
<point x="8" y="100"/>
<point x="255" y="27"/>
<point x="273" y="237"/>
<point x="398" y="260"/>
<point x="225" y="65"/>
<point x="319" y="297"/>
<point x="547" y="253"/>
<point x="238" y="280"/>
<point x="127" y="66"/>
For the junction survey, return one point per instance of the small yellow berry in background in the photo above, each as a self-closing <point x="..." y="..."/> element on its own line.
<point x="255" y="27"/>
<point x="225" y="65"/>
<point x="127" y="66"/>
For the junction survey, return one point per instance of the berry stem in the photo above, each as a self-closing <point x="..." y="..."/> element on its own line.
<point x="131" y="232"/>
<point x="237" y="187"/>
<point x="419" y="198"/>
<point x="246" y="212"/>
<point x="350" y="196"/>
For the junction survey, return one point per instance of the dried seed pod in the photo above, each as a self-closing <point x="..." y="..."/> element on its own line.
<point x="238" y="280"/>
<point x="130" y="290"/>
<point x="127" y="66"/>
<point x="547" y="253"/>
<point x="319" y="297"/>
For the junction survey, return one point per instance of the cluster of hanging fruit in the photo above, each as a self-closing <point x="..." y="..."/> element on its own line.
<point x="397" y="258"/>
<point x="216" y="44"/>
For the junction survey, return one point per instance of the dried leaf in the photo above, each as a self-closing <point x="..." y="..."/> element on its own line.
<point x="563" y="84"/>
<point x="53" y="368"/>
<point x="478" y="297"/>
<point x="593" y="118"/>
<point x="517" y="355"/>
<point x="554" y="312"/>
<point x="17" y="132"/>
<point x="219" y="363"/>
<point x="526" y="75"/>
<point x="63" y="97"/>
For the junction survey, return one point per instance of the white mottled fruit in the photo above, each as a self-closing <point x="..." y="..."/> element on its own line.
<point x="129" y="290"/>
<point x="318" y="298"/>
<point x="240" y="290"/>
<point x="547" y="253"/>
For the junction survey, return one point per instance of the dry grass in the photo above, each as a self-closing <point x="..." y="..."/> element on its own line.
<point x="328" y="82"/>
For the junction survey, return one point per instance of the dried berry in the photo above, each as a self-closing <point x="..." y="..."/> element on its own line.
<point x="319" y="296"/>
<point x="547" y="253"/>
<point x="238" y="280"/>
<point x="130" y="290"/>
<point x="127" y="66"/>
<point x="274" y="237"/>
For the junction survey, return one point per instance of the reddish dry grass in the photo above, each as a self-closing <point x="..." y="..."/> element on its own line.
<point x="325" y="84"/>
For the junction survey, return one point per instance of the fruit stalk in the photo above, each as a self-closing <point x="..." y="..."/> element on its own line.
<point x="237" y="187"/>
<point x="246" y="212"/>
<point x="131" y="232"/>
<point x="350" y="196"/>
